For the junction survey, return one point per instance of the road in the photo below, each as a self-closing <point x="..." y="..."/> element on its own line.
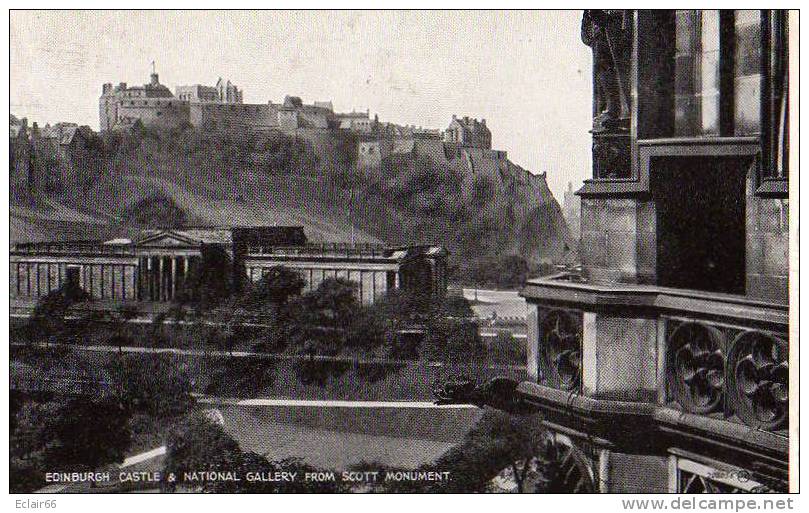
<point x="317" y="403"/>
<point x="506" y="304"/>
<point x="245" y="354"/>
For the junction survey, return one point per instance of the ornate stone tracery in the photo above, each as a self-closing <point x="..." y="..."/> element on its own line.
<point x="697" y="367"/>
<point x="758" y="376"/>
<point x="561" y="349"/>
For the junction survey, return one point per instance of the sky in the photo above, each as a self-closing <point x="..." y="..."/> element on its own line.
<point x="526" y="72"/>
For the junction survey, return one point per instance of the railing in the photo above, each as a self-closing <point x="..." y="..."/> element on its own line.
<point x="71" y="248"/>
<point x="335" y="249"/>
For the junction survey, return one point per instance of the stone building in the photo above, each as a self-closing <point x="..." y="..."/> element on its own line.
<point x="371" y="151"/>
<point x="664" y="364"/>
<point x="571" y="209"/>
<point x="152" y="104"/>
<point x="294" y="114"/>
<point x="222" y="92"/>
<point x="375" y="269"/>
<point x="355" y="121"/>
<point x="58" y="151"/>
<point x="154" y="266"/>
<point x="469" y="132"/>
<point x="19" y="149"/>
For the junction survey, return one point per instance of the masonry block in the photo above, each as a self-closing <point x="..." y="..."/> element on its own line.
<point x="776" y="254"/>
<point x="620" y="357"/>
<point x="622" y="251"/>
<point x="593" y="249"/>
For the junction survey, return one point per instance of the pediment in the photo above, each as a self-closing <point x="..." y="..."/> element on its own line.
<point x="167" y="240"/>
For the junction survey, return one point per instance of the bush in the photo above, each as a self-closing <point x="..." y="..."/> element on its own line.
<point x="452" y="341"/>
<point x="71" y="435"/>
<point x="498" y="442"/>
<point x="242" y="377"/>
<point x="150" y="383"/>
<point x="155" y="210"/>
<point x="48" y="319"/>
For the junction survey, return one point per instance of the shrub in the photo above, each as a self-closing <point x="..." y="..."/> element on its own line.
<point x="150" y="383"/>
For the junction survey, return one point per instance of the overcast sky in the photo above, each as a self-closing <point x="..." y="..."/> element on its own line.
<point x="527" y="73"/>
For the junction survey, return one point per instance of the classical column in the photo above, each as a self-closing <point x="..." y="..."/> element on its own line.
<point x="173" y="280"/>
<point x="150" y="277"/>
<point x="186" y="269"/>
<point x="160" y="279"/>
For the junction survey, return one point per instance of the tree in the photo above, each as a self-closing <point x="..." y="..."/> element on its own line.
<point x="89" y="434"/>
<point x="277" y="286"/>
<point x="368" y="330"/>
<point x="150" y="383"/>
<point x="72" y="435"/>
<point x="320" y="319"/>
<point x="452" y="341"/>
<point x="500" y="444"/>
<point x="333" y="303"/>
<point x="210" y="281"/>
<point x="27" y="445"/>
<point x="48" y="318"/>
<point x="119" y="320"/>
<point x="199" y="444"/>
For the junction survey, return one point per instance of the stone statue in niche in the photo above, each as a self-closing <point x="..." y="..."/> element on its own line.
<point x="609" y="33"/>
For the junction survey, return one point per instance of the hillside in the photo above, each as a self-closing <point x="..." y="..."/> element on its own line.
<point x="481" y="209"/>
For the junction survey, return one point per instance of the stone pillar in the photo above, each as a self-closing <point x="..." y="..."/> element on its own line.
<point x="160" y="279"/>
<point x="152" y="278"/>
<point x="173" y="281"/>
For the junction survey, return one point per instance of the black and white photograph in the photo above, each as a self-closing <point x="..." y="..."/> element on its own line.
<point x="403" y="252"/>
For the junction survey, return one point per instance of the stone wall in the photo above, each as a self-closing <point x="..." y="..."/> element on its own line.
<point x="767" y="256"/>
<point x="618" y="241"/>
<point x="636" y="473"/>
<point x="154" y="112"/>
<point x="226" y="116"/>
<point x="619" y="357"/>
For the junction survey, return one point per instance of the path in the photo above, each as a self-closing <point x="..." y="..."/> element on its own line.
<point x="249" y="354"/>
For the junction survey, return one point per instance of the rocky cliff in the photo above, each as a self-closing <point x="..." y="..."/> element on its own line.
<point x="475" y="202"/>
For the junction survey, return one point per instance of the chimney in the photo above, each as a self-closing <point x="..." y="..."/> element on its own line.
<point x="106" y="88"/>
<point x="122" y="86"/>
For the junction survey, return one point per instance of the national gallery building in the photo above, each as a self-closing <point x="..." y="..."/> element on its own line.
<point x="153" y="267"/>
